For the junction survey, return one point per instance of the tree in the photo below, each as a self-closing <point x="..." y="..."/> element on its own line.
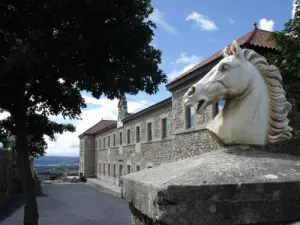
<point x="288" y="62"/>
<point x="4" y="137"/>
<point x="37" y="127"/>
<point x="50" y="51"/>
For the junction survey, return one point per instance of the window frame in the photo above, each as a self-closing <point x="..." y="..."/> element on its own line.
<point x="190" y="118"/>
<point x="137" y="134"/>
<point x="114" y="139"/>
<point x="149" y="131"/>
<point x="128" y="137"/>
<point x="114" y="170"/>
<point x="120" y="138"/>
<point x="164" y="128"/>
<point x="138" y="168"/>
<point x="128" y="169"/>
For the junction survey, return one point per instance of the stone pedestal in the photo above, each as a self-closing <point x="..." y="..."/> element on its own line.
<point x="230" y="186"/>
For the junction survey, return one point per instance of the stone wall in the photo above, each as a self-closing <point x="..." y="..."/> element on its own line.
<point x="235" y="185"/>
<point x="135" y="155"/>
<point x="88" y="156"/>
<point x="179" y="113"/>
<point x="181" y="142"/>
<point x="189" y="142"/>
<point x="81" y="155"/>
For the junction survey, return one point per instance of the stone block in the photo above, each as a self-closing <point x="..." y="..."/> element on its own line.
<point x="229" y="186"/>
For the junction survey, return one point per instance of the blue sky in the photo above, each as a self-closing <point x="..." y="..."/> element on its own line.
<point x="175" y="35"/>
<point x="187" y="32"/>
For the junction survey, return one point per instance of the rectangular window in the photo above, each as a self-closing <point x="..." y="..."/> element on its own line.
<point x="100" y="146"/>
<point x="120" y="170"/>
<point x="164" y="127"/>
<point x="108" y="141"/>
<point x="104" y="169"/>
<point x="114" y="140"/>
<point x="96" y="142"/>
<point x="128" y="136"/>
<point x="128" y="169"/>
<point x="99" y="168"/>
<point x="138" y="168"/>
<point x="120" y="140"/>
<point x="104" y="142"/>
<point x="149" y="131"/>
<point x="190" y="117"/>
<point x="108" y="169"/>
<point x="114" y="170"/>
<point x="137" y="134"/>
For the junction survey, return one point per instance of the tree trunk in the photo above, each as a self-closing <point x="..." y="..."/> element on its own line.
<point x="31" y="215"/>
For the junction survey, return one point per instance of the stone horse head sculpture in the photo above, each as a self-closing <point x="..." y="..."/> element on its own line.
<point x="256" y="108"/>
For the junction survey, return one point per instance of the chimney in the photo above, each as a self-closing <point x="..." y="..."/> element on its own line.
<point x="255" y="25"/>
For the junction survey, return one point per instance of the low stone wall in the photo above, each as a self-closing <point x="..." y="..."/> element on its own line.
<point x="232" y="186"/>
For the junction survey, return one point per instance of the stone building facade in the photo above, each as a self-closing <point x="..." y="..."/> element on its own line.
<point x="162" y="133"/>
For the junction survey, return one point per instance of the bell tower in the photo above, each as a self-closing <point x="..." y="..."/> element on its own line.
<point x="122" y="110"/>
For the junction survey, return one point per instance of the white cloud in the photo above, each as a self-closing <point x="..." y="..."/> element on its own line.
<point x="294" y="8"/>
<point x="176" y="73"/>
<point x="189" y="61"/>
<point x="67" y="144"/>
<point x="212" y="39"/>
<point x="265" y="24"/>
<point x="231" y="21"/>
<point x="184" y="59"/>
<point x="158" y="18"/>
<point x="205" y="23"/>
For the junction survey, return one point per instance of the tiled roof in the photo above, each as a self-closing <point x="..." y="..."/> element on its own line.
<point x="105" y="125"/>
<point x="98" y="127"/>
<point x="149" y="109"/>
<point x="256" y="37"/>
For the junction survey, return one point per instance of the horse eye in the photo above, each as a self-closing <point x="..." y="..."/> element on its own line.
<point x="224" y="67"/>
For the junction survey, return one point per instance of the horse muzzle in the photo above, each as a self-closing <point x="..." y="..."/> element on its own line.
<point x="200" y="104"/>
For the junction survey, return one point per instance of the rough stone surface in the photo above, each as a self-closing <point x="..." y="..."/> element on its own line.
<point x="193" y="143"/>
<point x="152" y="152"/>
<point x="179" y="112"/>
<point x="238" y="185"/>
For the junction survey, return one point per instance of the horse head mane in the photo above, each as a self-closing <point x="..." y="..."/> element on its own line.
<point x="279" y="107"/>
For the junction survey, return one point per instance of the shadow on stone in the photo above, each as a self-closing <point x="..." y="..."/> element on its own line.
<point x="291" y="147"/>
<point x="254" y="152"/>
<point x="10" y="206"/>
<point x="42" y="195"/>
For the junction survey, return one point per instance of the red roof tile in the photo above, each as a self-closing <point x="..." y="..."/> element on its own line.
<point x="256" y="37"/>
<point x="98" y="127"/>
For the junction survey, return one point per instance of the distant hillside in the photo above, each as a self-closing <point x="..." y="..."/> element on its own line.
<point x="56" y="161"/>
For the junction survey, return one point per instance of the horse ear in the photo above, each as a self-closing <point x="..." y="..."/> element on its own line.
<point x="236" y="50"/>
<point x="225" y="52"/>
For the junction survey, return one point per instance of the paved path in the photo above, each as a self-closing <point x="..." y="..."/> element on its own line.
<point x="71" y="204"/>
<point x="105" y="186"/>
